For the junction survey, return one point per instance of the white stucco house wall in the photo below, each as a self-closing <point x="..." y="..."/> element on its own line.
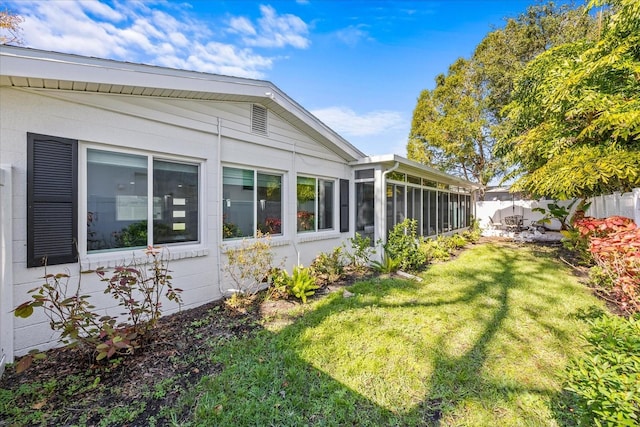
<point x="100" y="158"/>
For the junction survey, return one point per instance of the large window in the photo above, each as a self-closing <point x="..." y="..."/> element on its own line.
<point x="252" y="201"/>
<point x="365" y="209"/>
<point x="122" y="214"/>
<point x="315" y="198"/>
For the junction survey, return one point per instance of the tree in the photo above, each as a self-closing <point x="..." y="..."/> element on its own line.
<point x="455" y="125"/>
<point x="10" y="28"/>
<point x="573" y="127"/>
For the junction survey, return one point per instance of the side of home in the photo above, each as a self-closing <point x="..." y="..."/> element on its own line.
<point x="99" y="159"/>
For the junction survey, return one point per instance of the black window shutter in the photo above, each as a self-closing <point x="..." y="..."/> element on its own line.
<point x="52" y="198"/>
<point x="344" y="205"/>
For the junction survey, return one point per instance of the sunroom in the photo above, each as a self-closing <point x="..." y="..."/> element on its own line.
<point x="391" y="188"/>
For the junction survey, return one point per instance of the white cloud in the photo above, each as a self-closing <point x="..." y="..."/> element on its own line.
<point x="349" y="123"/>
<point x="273" y="30"/>
<point x="352" y="35"/>
<point x="135" y="32"/>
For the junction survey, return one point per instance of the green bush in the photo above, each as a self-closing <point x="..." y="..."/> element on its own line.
<point x="606" y="380"/>
<point x="360" y="252"/>
<point x="458" y="241"/>
<point x="329" y="267"/>
<point x="387" y="265"/>
<point x="434" y="251"/>
<point x="403" y="245"/>
<point x="300" y="284"/>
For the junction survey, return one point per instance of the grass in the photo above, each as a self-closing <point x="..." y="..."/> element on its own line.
<point x="481" y="341"/>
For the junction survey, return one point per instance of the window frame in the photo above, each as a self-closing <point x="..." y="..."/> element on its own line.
<point x="256" y="171"/>
<point x="335" y="220"/>
<point x="83" y="167"/>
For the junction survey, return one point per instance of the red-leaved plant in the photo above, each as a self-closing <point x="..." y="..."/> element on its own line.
<point x="137" y="288"/>
<point x="614" y="243"/>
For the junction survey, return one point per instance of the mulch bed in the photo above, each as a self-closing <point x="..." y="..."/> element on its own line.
<point x="87" y="392"/>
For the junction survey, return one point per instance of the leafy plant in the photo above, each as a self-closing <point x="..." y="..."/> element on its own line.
<point x="131" y="236"/>
<point x="249" y="263"/>
<point x="614" y="243"/>
<point x="360" y="252"/>
<point x="72" y="314"/>
<point x="403" y="244"/>
<point x="435" y="250"/>
<point x="387" y="265"/>
<point x="606" y="380"/>
<point x="301" y="283"/>
<point x="329" y="266"/>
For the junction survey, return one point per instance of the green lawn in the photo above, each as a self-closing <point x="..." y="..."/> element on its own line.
<point x="481" y="341"/>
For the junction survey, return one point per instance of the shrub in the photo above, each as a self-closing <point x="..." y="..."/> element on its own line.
<point x="359" y="255"/>
<point x="614" y="244"/>
<point x="301" y="283"/>
<point x="249" y="263"/>
<point x="433" y="250"/>
<point x="606" y="380"/>
<point x="473" y="233"/>
<point x="458" y="241"/>
<point x="138" y="290"/>
<point x="329" y="267"/>
<point x="403" y="245"/>
<point x="386" y="265"/>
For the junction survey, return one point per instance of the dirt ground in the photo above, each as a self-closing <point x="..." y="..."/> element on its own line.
<point x="86" y="392"/>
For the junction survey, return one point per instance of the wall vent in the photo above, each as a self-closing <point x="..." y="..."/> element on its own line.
<point x="259" y="119"/>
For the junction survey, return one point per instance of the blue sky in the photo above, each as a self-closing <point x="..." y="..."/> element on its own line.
<point x="357" y="65"/>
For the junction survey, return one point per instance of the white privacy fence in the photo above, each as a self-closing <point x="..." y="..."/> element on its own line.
<point x="623" y="204"/>
<point x="495" y="211"/>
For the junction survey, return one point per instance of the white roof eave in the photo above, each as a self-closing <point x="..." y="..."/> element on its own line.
<point x="32" y="64"/>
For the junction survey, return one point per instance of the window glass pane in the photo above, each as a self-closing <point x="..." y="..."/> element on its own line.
<point x="175" y="202"/>
<point x="433" y="212"/>
<point x="237" y="204"/>
<point x="390" y="204"/>
<point x="116" y="200"/>
<point x="443" y="205"/>
<point x="396" y="176"/>
<point x="365" y="210"/>
<point x="269" y="203"/>
<point x="414" y="203"/>
<point x="365" y="174"/>
<point x="453" y="210"/>
<point x="413" y="179"/>
<point x="399" y="203"/>
<point x="325" y="204"/>
<point x="306" y="197"/>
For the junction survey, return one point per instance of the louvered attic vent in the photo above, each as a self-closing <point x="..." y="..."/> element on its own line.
<point x="258" y="119"/>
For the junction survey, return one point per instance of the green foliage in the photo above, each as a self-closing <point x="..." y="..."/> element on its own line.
<point x="387" y="265"/>
<point x="133" y="235"/>
<point x="458" y="241"/>
<point x="301" y="283"/>
<point x="249" y="263"/>
<point x="434" y="250"/>
<point x="137" y="289"/>
<point x="606" y="380"/>
<point x="360" y="252"/>
<point x="574" y="120"/>
<point x="473" y="233"/>
<point x="403" y="244"/>
<point x="329" y="267"/>
<point x="455" y="125"/>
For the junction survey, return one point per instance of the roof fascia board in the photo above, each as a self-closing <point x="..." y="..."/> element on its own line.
<point x="32" y="63"/>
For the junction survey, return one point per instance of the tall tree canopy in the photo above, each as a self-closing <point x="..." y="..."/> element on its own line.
<point x="455" y="125"/>
<point x="10" y="28"/>
<point x="573" y="127"/>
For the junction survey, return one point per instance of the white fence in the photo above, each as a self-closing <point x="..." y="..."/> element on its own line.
<point x="494" y="211"/>
<point x="627" y="204"/>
